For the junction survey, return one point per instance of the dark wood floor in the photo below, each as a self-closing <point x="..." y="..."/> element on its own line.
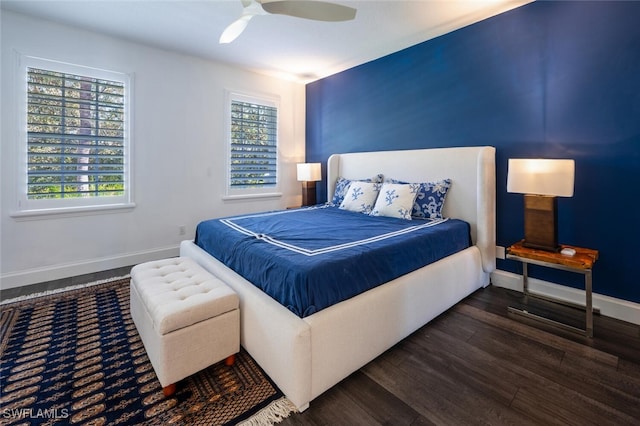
<point x="10" y="293"/>
<point x="475" y="364"/>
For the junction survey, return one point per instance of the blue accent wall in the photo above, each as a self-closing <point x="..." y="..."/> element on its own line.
<point x="550" y="80"/>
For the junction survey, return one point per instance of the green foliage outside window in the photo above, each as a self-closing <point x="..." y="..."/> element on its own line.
<point x="253" y="145"/>
<point x="75" y="136"/>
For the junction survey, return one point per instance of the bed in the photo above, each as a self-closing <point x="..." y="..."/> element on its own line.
<point x="307" y="354"/>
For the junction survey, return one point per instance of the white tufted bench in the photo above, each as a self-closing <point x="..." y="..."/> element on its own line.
<point x="187" y="318"/>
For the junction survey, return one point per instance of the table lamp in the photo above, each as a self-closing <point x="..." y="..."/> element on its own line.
<point x="542" y="181"/>
<point x="309" y="174"/>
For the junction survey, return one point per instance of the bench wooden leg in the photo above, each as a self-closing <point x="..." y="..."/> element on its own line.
<point x="231" y="359"/>
<point x="169" y="390"/>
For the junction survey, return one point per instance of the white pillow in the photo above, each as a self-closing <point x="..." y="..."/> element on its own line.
<point x="342" y="185"/>
<point x="361" y="196"/>
<point x="396" y="200"/>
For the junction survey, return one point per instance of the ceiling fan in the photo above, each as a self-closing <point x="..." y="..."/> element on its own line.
<point x="307" y="9"/>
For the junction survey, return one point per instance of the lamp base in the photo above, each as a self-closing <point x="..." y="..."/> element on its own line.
<point x="541" y="222"/>
<point x="308" y="193"/>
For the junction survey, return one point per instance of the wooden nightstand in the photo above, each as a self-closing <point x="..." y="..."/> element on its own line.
<point x="581" y="262"/>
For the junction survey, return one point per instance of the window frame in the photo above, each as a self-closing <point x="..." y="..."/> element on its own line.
<point x="26" y="207"/>
<point x="254" y="191"/>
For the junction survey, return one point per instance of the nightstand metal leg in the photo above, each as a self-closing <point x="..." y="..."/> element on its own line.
<point x="589" y="307"/>
<point x="525" y="282"/>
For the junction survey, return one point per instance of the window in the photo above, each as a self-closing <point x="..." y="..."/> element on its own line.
<point x="76" y="137"/>
<point x="253" y="146"/>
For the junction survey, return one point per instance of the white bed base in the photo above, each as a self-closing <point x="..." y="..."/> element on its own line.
<point x="307" y="356"/>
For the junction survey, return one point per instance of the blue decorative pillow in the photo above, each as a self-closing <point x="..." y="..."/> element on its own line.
<point x="361" y="196"/>
<point x="430" y="199"/>
<point x="396" y="200"/>
<point x="342" y="185"/>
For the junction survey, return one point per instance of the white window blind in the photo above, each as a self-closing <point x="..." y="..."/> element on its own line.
<point x="75" y="136"/>
<point x="254" y="145"/>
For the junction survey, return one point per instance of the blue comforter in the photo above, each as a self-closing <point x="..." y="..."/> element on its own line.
<point x="311" y="258"/>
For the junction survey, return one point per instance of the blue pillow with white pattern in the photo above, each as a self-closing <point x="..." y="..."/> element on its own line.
<point x="342" y="185"/>
<point x="430" y="199"/>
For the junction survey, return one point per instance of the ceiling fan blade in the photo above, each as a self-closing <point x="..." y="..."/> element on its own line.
<point x="316" y="10"/>
<point x="235" y="29"/>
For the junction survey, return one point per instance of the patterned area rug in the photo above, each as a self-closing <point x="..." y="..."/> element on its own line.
<point x="75" y="357"/>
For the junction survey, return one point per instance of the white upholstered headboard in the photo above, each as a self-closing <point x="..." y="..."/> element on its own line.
<point x="472" y="196"/>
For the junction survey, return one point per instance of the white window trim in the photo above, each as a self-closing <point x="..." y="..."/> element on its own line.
<point x="249" y="193"/>
<point x="25" y="208"/>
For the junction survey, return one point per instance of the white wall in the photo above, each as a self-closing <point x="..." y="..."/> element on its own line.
<point x="178" y="154"/>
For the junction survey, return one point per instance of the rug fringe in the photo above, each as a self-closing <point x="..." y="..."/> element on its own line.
<point x="61" y="290"/>
<point x="273" y="413"/>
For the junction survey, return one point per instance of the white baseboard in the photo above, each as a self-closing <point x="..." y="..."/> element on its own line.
<point x="55" y="272"/>
<point x="609" y="306"/>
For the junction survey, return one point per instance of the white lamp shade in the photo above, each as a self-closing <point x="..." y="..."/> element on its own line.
<point x="309" y="172"/>
<point x="541" y="177"/>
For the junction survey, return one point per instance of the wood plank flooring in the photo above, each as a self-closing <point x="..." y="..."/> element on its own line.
<point x="10" y="293"/>
<point x="475" y="364"/>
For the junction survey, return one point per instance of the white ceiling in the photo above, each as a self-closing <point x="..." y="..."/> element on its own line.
<point x="283" y="46"/>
